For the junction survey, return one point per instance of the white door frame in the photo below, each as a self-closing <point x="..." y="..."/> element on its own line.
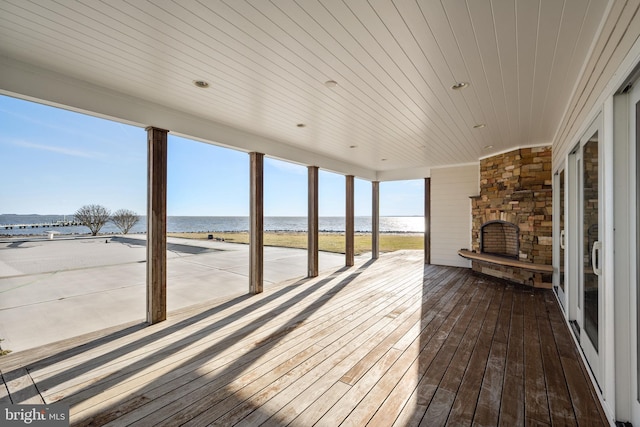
<point x="625" y="264"/>
<point x="559" y="233"/>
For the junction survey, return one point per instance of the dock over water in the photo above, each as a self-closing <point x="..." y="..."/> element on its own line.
<point x="40" y="225"/>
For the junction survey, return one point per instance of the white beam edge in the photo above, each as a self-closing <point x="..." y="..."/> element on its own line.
<point x="404" y="174"/>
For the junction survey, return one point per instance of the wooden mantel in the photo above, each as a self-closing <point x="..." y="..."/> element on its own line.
<point x="507" y="262"/>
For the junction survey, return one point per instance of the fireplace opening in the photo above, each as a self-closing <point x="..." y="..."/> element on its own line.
<point x="500" y="238"/>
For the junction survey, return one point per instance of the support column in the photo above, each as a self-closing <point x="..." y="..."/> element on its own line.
<point x="349" y="222"/>
<point x="427" y="220"/>
<point x="375" y="219"/>
<point x="156" y="225"/>
<point x="256" y="223"/>
<point x="312" y="236"/>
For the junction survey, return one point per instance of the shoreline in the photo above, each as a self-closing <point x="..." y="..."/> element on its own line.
<point x="332" y="241"/>
<point x="42" y="234"/>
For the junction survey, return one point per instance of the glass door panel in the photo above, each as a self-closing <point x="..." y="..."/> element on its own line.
<point x="583" y="246"/>
<point x="591" y="244"/>
<point x="562" y="232"/>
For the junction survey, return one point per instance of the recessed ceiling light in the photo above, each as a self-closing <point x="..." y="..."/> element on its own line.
<point x="301" y="125"/>
<point x="459" y="85"/>
<point x="201" y="84"/>
<point x="331" y="83"/>
<point x="486" y="147"/>
<point x="479" y="126"/>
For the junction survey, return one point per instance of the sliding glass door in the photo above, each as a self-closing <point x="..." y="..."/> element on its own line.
<point x="586" y="308"/>
<point x="559" y="230"/>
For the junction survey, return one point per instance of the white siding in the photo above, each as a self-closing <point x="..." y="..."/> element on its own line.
<point x="451" y="212"/>
<point x="612" y="53"/>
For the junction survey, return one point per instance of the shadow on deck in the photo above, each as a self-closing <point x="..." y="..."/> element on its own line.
<point x="390" y="342"/>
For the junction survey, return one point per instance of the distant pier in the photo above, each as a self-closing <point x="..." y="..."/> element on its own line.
<point x="39" y="225"/>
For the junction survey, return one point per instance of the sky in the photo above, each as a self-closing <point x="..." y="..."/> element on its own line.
<point x="53" y="161"/>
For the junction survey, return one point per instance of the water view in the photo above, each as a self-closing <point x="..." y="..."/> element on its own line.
<point x="10" y="224"/>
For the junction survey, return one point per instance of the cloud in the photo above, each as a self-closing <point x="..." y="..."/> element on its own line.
<point x="60" y="150"/>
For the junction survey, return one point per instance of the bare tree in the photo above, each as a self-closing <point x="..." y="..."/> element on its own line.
<point x="93" y="216"/>
<point x="124" y="219"/>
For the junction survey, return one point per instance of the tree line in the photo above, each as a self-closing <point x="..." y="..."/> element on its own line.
<point x="96" y="216"/>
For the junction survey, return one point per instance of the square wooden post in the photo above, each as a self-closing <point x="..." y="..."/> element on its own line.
<point x="256" y="223"/>
<point x="312" y="233"/>
<point x="375" y="219"/>
<point x="427" y="220"/>
<point x="156" y="225"/>
<point x="349" y="222"/>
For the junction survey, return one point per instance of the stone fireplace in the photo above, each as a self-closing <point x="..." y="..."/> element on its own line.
<point x="500" y="238"/>
<point x="512" y="215"/>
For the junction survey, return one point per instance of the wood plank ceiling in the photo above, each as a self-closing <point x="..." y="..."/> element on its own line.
<point x="267" y="63"/>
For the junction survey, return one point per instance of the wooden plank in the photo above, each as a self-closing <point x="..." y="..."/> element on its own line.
<point x="4" y="392"/>
<point x="493" y="259"/>
<point x="464" y="405"/>
<point x="360" y="368"/>
<point x="21" y="388"/>
<point x="156" y="366"/>
<point x="320" y="390"/>
<point x="322" y="383"/>
<point x="320" y="406"/>
<point x="512" y="401"/>
<point x="433" y="378"/>
<point x="583" y="394"/>
<point x="444" y="397"/>
<point x="488" y="407"/>
<point x="535" y="402"/>
<point x="353" y="375"/>
<point x="51" y="354"/>
<point x="399" y="406"/>
<point x="206" y="332"/>
<point x="358" y="340"/>
<point x="369" y="381"/>
<point x="584" y="405"/>
<point x="435" y="352"/>
<point x="310" y="338"/>
<point x="560" y="407"/>
<point x="296" y="382"/>
<point x="404" y="408"/>
<point x="160" y="407"/>
<point x="408" y="363"/>
<point x="260" y="310"/>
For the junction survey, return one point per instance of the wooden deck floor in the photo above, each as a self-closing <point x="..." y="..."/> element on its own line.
<point x="390" y="342"/>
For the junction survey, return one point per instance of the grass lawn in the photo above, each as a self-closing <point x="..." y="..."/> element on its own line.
<point x="329" y="242"/>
